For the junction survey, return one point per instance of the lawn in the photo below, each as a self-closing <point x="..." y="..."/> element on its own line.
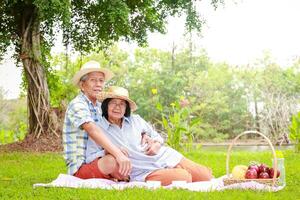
<point x="19" y="171"/>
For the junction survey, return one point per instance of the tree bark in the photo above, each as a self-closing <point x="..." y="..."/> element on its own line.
<point x="257" y="124"/>
<point x="37" y="87"/>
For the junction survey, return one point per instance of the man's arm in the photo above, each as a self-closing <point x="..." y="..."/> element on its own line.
<point x="100" y="138"/>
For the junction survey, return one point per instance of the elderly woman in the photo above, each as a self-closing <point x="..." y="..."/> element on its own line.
<point x="150" y="159"/>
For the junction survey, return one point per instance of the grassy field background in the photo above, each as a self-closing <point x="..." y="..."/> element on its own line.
<point x="20" y="170"/>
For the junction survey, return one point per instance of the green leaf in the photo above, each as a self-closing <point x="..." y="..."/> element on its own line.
<point x="195" y="121"/>
<point x="165" y="122"/>
<point x="159" y="107"/>
<point x="295" y="127"/>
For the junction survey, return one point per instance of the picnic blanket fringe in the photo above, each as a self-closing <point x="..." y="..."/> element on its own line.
<point x="215" y="184"/>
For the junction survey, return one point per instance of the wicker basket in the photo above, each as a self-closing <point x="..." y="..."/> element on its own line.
<point x="271" y="181"/>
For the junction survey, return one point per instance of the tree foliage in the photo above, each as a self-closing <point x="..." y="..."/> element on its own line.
<point x="30" y="26"/>
<point x="222" y="97"/>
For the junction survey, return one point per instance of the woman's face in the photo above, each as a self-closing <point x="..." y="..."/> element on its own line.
<point x="116" y="109"/>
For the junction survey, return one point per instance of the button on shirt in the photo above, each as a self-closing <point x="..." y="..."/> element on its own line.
<point x="129" y="137"/>
<point x="79" y="111"/>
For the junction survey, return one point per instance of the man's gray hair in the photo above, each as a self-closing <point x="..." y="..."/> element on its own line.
<point x="84" y="77"/>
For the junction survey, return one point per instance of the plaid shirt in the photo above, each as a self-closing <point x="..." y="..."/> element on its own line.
<point x="79" y="111"/>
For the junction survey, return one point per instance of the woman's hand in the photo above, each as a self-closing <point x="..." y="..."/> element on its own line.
<point x="145" y="138"/>
<point x="152" y="147"/>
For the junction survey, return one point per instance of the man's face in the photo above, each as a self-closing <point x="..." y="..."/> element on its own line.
<point x="93" y="85"/>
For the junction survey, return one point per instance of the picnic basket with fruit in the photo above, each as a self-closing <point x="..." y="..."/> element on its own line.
<point x="258" y="172"/>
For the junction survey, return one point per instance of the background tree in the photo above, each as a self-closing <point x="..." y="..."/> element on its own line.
<point x="3" y="103"/>
<point x="223" y="97"/>
<point x="280" y="98"/>
<point x="30" y="26"/>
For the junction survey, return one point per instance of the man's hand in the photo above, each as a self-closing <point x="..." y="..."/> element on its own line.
<point x="124" y="163"/>
<point x="124" y="151"/>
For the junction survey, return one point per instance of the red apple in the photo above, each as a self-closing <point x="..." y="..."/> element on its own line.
<point x="263" y="175"/>
<point x="255" y="167"/>
<point x="251" y="174"/>
<point x="263" y="168"/>
<point x="272" y="173"/>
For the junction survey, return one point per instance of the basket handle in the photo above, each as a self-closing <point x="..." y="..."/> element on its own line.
<point x="269" y="142"/>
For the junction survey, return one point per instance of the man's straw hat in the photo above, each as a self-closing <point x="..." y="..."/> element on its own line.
<point x="91" y="66"/>
<point x="115" y="92"/>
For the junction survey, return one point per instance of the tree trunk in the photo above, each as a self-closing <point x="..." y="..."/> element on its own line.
<point x="257" y="124"/>
<point x="37" y="87"/>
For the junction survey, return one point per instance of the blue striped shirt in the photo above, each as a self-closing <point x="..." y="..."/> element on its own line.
<point x="80" y="110"/>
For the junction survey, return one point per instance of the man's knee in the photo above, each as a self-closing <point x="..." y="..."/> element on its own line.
<point x="107" y="164"/>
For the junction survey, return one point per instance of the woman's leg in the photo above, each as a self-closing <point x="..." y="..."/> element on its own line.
<point x="166" y="176"/>
<point x="198" y="172"/>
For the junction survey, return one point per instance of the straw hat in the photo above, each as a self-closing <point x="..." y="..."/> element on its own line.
<point x="118" y="93"/>
<point x="91" y="66"/>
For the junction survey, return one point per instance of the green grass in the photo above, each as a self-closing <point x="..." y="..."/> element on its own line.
<point x="19" y="171"/>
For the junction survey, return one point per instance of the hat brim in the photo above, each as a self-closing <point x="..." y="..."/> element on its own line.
<point x="76" y="79"/>
<point x="107" y="95"/>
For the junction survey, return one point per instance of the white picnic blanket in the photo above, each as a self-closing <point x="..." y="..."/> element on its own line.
<point x="215" y="184"/>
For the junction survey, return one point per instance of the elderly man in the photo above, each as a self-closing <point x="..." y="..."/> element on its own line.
<point x="81" y="121"/>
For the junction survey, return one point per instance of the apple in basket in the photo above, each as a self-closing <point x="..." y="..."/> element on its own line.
<point x="263" y="168"/>
<point x="251" y="174"/>
<point x="272" y="173"/>
<point x="255" y="167"/>
<point x="264" y="175"/>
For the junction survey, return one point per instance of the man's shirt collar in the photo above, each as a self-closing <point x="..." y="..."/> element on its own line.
<point x="98" y="104"/>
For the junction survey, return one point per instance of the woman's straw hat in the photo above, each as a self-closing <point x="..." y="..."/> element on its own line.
<point x="115" y="92"/>
<point x="88" y="67"/>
